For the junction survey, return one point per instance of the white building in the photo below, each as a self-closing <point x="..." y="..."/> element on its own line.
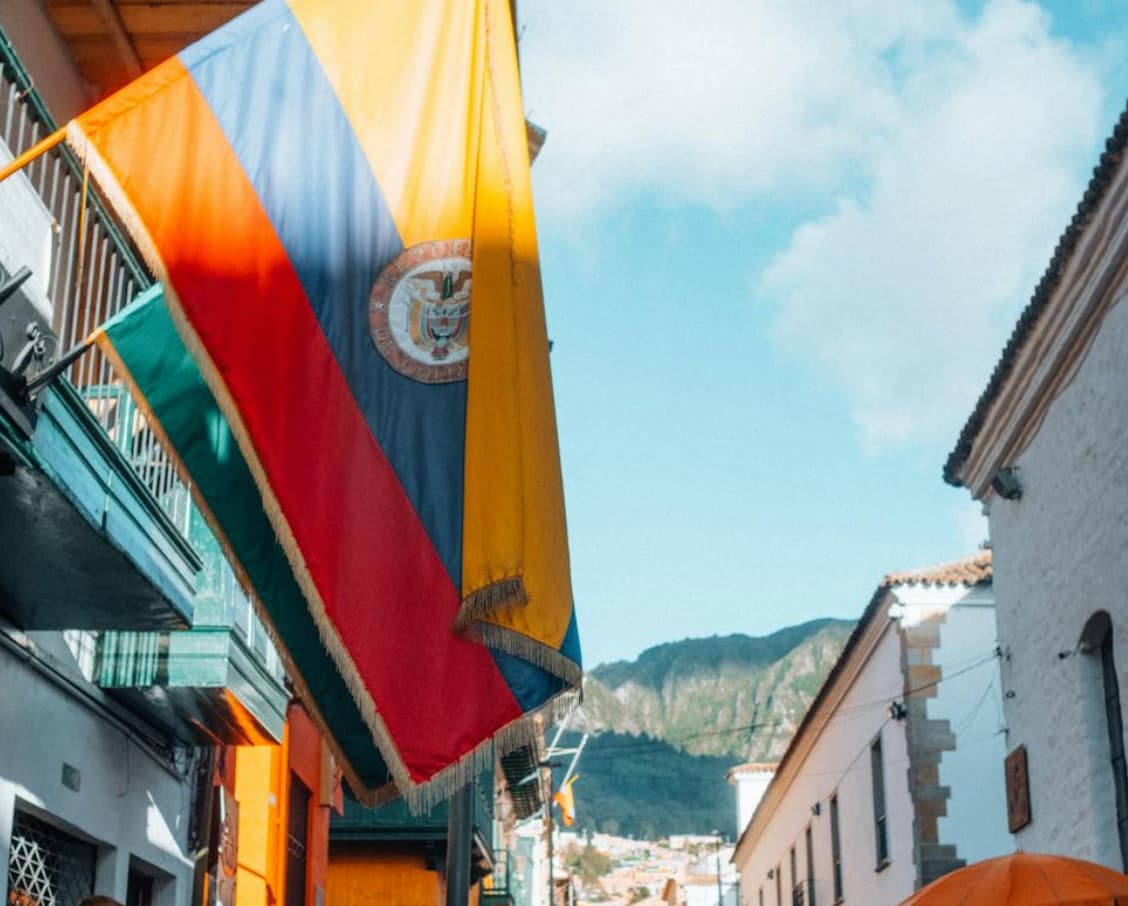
<point x="1046" y="451"/>
<point x="751" y="781"/>
<point x="711" y="878"/>
<point x="894" y="776"/>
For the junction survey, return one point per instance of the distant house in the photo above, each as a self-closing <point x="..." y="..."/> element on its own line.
<point x="1046" y="451"/>
<point x="710" y="879"/>
<point x="894" y="776"/>
<point x="751" y="781"/>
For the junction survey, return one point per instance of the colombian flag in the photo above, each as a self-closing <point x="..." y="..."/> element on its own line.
<point x="348" y="357"/>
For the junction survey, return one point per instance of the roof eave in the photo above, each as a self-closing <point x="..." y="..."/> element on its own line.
<point x="956" y="471"/>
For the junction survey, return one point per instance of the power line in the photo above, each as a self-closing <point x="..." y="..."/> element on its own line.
<point x="657" y="744"/>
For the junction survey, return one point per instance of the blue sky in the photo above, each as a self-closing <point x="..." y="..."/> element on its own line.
<point x="783" y="244"/>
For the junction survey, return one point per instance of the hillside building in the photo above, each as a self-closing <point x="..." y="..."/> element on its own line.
<point x="1046" y="451"/>
<point x="711" y="878"/>
<point x="894" y="775"/>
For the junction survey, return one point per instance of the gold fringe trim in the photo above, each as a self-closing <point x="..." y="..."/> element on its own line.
<point x="525" y="730"/>
<point x="515" y="643"/>
<point x="370" y="796"/>
<point x="103" y="174"/>
<point x="489" y="599"/>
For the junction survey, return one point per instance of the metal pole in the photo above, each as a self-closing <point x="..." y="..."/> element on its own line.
<point x="720" y="893"/>
<point x="32" y="153"/>
<point x="460" y="828"/>
<point x="551" y="879"/>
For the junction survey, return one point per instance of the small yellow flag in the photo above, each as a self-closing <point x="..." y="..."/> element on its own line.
<point x="565" y="799"/>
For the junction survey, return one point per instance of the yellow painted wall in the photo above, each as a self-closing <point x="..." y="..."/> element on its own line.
<point x="368" y="876"/>
<point x="261" y="789"/>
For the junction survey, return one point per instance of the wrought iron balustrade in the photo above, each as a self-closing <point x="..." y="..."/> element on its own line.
<point x="92" y="273"/>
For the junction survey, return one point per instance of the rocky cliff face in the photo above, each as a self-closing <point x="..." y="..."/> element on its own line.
<point x="667" y="726"/>
<point x="731" y="695"/>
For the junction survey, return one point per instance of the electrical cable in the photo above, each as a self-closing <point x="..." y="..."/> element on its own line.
<point x="656" y="744"/>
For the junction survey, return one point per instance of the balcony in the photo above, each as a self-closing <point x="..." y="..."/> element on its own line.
<point x="94" y="511"/>
<point x="495" y="889"/>
<point x="99" y="533"/>
<point x="524" y="781"/>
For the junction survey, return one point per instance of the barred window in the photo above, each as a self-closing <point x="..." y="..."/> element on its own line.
<point x="47" y="866"/>
<point x="810" y="868"/>
<point x="835" y="848"/>
<point x="880" y="831"/>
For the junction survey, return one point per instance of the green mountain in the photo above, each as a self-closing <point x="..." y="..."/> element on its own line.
<point x="667" y="726"/>
<point x="733" y="695"/>
<point x="635" y="786"/>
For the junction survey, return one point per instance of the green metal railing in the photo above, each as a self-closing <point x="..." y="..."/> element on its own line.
<point x="94" y="273"/>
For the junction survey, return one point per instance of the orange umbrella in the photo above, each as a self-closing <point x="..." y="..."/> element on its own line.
<point x="1028" y="879"/>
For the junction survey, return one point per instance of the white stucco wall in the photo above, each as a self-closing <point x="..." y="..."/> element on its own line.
<point x="1061" y="554"/>
<point x="750" y="786"/>
<point x="129" y="803"/>
<point x="840" y="762"/>
<point x="970" y="698"/>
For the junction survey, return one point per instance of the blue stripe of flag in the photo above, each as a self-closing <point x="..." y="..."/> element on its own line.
<point x="300" y="153"/>
<point x="275" y="105"/>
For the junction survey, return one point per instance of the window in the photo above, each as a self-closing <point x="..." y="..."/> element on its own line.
<point x="880" y="831"/>
<point x="47" y="865"/>
<point x="761" y="897"/>
<point x="779" y="885"/>
<point x="296" y="843"/>
<point x="835" y="849"/>
<point x="794" y="873"/>
<point x="139" y="889"/>
<point x="810" y="868"/>
<point x="1116" y="740"/>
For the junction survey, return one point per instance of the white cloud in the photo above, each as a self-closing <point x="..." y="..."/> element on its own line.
<point x="714" y="101"/>
<point x="971" y="524"/>
<point x="903" y="295"/>
<point x="952" y="145"/>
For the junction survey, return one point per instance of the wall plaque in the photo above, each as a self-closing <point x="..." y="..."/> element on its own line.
<point x="1018" y="790"/>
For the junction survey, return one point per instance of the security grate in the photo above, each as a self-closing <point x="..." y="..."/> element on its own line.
<point x="46" y="866"/>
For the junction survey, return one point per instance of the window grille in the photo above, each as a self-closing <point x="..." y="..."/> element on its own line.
<point x="835" y="849"/>
<point x="880" y="831"/>
<point x="810" y="868"/>
<point x="47" y="866"/>
<point x="1116" y="742"/>
<point x="297" y="835"/>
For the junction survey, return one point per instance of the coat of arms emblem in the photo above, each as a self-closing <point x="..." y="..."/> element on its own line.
<point x="419" y="311"/>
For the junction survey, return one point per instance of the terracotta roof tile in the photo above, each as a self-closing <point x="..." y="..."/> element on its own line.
<point x="969" y="571"/>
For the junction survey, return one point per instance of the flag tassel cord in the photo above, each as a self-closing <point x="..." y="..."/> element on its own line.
<point x="37" y="150"/>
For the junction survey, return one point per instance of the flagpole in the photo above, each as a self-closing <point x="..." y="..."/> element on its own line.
<point x="36" y="150"/>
